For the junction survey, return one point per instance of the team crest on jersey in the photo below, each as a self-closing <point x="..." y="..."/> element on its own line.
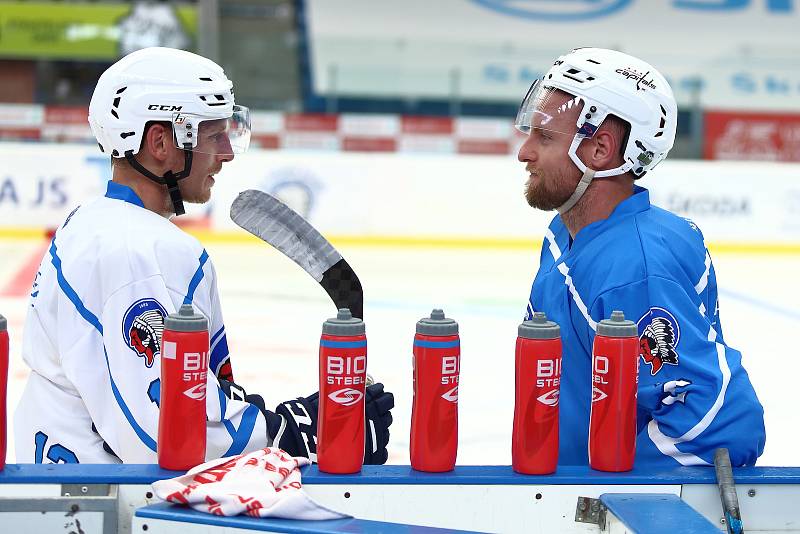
<point x="659" y="334"/>
<point x="142" y="326"/>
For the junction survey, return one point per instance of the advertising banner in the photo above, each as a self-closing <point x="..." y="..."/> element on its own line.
<point x="736" y="53"/>
<point x="41" y="183"/>
<point x="92" y="31"/>
<point x="752" y="136"/>
<point x="385" y="196"/>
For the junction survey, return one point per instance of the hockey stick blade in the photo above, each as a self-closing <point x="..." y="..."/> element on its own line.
<point x="727" y="491"/>
<point x="272" y="221"/>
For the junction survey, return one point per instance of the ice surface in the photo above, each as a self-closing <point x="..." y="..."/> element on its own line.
<point x="274" y="312"/>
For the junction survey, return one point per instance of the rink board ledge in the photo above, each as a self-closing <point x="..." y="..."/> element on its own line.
<point x="492" y="498"/>
<point x="403" y="474"/>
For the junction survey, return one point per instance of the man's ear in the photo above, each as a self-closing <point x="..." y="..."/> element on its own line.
<point x="158" y="141"/>
<point x="604" y="150"/>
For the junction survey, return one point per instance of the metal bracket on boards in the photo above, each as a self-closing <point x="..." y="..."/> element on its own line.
<point x="589" y="510"/>
<point x="74" y="499"/>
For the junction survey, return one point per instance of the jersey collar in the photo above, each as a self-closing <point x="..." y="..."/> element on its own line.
<point x="123" y="192"/>
<point x="638" y="202"/>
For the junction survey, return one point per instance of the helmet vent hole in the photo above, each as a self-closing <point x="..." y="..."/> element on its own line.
<point x="663" y="111"/>
<point x="121" y="89"/>
<point x="593" y="61"/>
<point x="214" y="100"/>
<point x="114" y="112"/>
<point x="116" y="102"/>
<point x="590" y="78"/>
<point x="663" y="122"/>
<point x="573" y="71"/>
<point x="573" y="78"/>
<point x="659" y="134"/>
<point x="206" y="79"/>
<point x="125" y="135"/>
<point x="115" y="153"/>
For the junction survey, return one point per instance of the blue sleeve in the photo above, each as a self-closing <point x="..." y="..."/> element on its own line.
<point x="694" y="394"/>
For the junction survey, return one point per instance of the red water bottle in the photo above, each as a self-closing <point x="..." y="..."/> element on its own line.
<point x="534" y="442"/>
<point x="3" y="388"/>
<point x="434" y="413"/>
<point x="342" y="379"/>
<point x="184" y="366"/>
<point x="615" y="387"/>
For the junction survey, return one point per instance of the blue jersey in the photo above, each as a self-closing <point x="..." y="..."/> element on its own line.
<point x="694" y="394"/>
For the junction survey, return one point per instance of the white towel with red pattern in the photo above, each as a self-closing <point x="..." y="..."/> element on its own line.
<point x="263" y="483"/>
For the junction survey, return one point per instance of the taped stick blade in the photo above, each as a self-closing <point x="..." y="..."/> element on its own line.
<point x="271" y="220"/>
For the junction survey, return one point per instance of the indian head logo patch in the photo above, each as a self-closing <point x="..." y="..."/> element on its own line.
<point x="659" y="334"/>
<point x="142" y="327"/>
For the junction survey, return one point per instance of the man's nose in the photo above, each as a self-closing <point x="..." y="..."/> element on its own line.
<point x="226" y="150"/>
<point x="526" y="151"/>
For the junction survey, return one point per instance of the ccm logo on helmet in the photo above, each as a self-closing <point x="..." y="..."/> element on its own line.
<point x="157" y="107"/>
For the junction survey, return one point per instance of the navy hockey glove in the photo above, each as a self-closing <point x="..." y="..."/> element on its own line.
<point x="377" y="406"/>
<point x="295" y="428"/>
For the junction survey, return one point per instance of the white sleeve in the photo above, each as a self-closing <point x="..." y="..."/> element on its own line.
<point x="124" y="405"/>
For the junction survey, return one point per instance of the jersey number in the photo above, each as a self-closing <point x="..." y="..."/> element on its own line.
<point x="57" y="454"/>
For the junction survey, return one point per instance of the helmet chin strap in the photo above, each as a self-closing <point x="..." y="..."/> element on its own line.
<point x="583" y="185"/>
<point x="170" y="179"/>
<point x="588" y="175"/>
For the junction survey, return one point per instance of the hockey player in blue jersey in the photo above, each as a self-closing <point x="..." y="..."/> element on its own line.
<point x="117" y="266"/>
<point x="596" y="122"/>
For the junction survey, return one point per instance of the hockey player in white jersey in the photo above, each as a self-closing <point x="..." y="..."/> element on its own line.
<point x="117" y="266"/>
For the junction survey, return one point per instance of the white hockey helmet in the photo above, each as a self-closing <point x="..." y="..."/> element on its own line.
<point x="605" y="82"/>
<point x="166" y="84"/>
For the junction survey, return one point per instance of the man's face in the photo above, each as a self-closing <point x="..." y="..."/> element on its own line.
<point x="213" y="149"/>
<point x="553" y="176"/>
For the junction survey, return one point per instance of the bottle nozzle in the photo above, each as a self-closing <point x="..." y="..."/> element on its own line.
<point x="344" y="314"/>
<point x="617" y="316"/>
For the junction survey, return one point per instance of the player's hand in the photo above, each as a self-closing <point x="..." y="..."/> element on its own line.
<point x="377" y="406"/>
<point x="297" y="432"/>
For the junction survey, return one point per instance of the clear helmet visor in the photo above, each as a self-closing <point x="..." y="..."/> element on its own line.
<point x="222" y="137"/>
<point x="550" y="110"/>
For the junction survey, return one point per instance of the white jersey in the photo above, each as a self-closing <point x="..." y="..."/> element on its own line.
<point x="92" y="338"/>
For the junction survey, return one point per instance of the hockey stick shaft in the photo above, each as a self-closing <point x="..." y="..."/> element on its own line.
<point x="274" y="222"/>
<point x="727" y="491"/>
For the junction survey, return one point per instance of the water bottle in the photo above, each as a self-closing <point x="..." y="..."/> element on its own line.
<point x="434" y="414"/>
<point x="342" y="381"/>
<point x="184" y="369"/>
<point x="615" y="385"/>
<point x="3" y="388"/>
<point x="534" y="442"/>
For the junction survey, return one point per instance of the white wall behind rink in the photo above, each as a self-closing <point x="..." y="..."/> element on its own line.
<point x="411" y="195"/>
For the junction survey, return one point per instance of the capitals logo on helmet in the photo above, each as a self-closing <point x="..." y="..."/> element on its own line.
<point x="659" y="334"/>
<point x="142" y="327"/>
